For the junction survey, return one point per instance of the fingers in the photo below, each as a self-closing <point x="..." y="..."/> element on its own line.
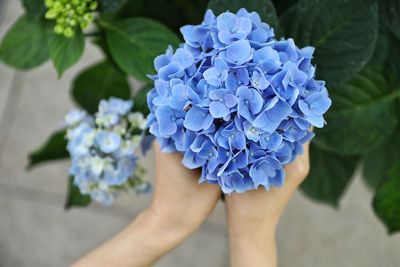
<point x="299" y="169"/>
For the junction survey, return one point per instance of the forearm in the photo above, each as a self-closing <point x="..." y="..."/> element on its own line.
<point x="251" y="229"/>
<point x="141" y="244"/>
<point x="250" y="248"/>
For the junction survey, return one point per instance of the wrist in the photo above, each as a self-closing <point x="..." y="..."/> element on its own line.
<point x="164" y="225"/>
<point x="252" y="252"/>
<point x="251" y="235"/>
<point x="251" y="245"/>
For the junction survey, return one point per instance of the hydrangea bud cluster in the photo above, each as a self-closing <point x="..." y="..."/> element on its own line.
<point x="237" y="102"/>
<point x="102" y="149"/>
<point x="70" y="14"/>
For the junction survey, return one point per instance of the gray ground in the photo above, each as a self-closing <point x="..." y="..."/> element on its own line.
<point x="35" y="231"/>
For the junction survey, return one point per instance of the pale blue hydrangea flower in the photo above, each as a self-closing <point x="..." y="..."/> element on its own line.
<point x="102" y="150"/>
<point x="235" y="101"/>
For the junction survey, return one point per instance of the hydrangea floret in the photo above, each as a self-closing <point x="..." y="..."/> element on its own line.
<point x="235" y="101"/>
<point x="102" y="149"/>
<point x="70" y="14"/>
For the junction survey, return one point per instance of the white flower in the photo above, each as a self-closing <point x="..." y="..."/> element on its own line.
<point x="137" y="120"/>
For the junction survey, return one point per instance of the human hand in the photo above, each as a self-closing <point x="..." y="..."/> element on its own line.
<point x="179" y="200"/>
<point x="180" y="204"/>
<point x="252" y="217"/>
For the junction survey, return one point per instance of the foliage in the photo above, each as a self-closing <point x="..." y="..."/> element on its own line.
<point x="357" y="49"/>
<point x="387" y="200"/>
<point x="98" y="82"/>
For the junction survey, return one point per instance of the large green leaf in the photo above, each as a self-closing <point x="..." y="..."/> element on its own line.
<point x="390" y="10"/>
<point x="330" y="174"/>
<point x="140" y="100"/>
<point x="34" y="8"/>
<point x="380" y="160"/>
<point x="53" y="149"/>
<point x="25" y="45"/>
<point x="363" y="115"/>
<point x="74" y="196"/>
<point x="380" y="56"/>
<point x="392" y="68"/>
<point x="343" y="32"/>
<point x="135" y="42"/>
<point x="108" y="6"/>
<point x="64" y="51"/>
<point x="265" y="8"/>
<point x="386" y="202"/>
<point x="175" y="13"/>
<point x="283" y="5"/>
<point x="99" y="82"/>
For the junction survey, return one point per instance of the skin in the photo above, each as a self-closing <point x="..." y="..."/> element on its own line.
<point x="252" y="217"/>
<point x="180" y="204"/>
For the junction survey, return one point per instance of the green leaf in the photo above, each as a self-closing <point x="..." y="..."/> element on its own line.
<point x="53" y="149"/>
<point x="99" y="82"/>
<point x="64" y="51"/>
<point x="74" y="196"/>
<point x="386" y="201"/>
<point x="381" y="53"/>
<point x="109" y="6"/>
<point x="283" y="5"/>
<point x="25" y="46"/>
<point x="362" y="116"/>
<point x="135" y="42"/>
<point x="34" y="8"/>
<point x="343" y="33"/>
<point x="330" y="174"/>
<point x="175" y="12"/>
<point x="380" y="160"/>
<point x="265" y="8"/>
<point x="140" y="100"/>
<point x="390" y="10"/>
<point x="392" y="68"/>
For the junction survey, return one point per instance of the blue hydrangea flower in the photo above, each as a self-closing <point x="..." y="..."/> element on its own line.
<point x="235" y="101"/>
<point x="74" y="117"/>
<point x="108" y="141"/>
<point x="222" y="101"/>
<point x="102" y="150"/>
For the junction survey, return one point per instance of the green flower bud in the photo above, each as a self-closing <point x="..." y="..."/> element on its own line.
<point x="51" y="14"/>
<point x="69" y="14"/>
<point x="84" y="24"/>
<point x="49" y="3"/>
<point x="60" y="20"/>
<point x="58" y="29"/>
<point x="88" y="17"/>
<point x="72" y="22"/>
<point x="57" y="5"/>
<point x="68" y="32"/>
<point x="93" y="6"/>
